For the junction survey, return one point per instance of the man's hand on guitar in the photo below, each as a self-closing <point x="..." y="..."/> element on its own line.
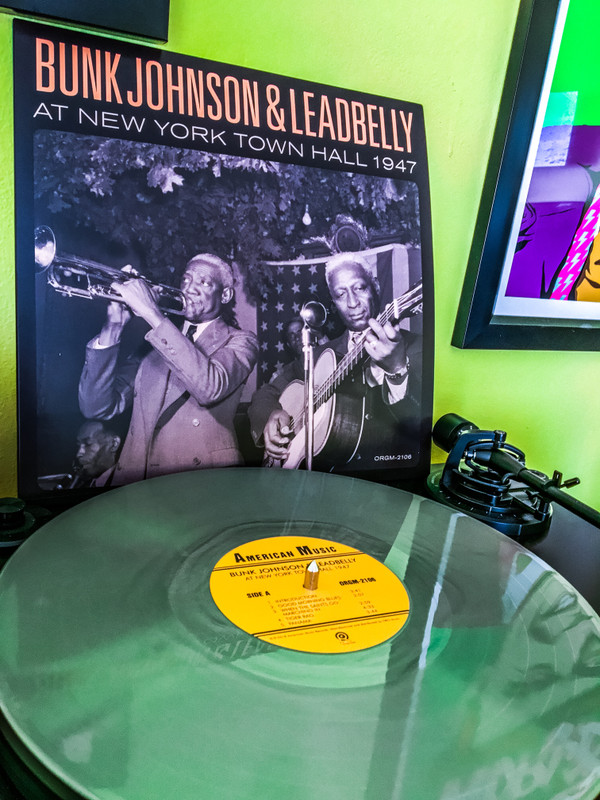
<point x="278" y="434"/>
<point x="386" y="346"/>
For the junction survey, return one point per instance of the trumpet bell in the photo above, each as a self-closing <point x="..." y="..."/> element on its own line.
<point x="73" y="276"/>
<point x="45" y="247"/>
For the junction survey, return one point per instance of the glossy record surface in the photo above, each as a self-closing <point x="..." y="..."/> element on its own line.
<point x="120" y="674"/>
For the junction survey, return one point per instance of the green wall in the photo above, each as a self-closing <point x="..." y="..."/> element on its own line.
<point x="450" y="56"/>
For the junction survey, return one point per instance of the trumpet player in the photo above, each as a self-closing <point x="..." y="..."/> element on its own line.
<point x="185" y="392"/>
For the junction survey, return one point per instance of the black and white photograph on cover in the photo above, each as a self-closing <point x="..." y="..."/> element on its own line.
<point x="169" y="295"/>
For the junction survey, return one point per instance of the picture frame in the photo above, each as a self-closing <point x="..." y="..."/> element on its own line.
<point x="145" y="18"/>
<point x="528" y="274"/>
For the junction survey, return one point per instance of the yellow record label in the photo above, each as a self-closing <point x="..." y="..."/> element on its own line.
<point x="309" y="594"/>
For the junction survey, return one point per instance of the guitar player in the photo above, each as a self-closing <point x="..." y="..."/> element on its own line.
<point x="386" y="384"/>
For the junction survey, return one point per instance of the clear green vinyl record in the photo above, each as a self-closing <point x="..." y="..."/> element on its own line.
<point x="122" y="677"/>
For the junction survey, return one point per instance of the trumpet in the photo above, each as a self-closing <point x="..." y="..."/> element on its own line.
<point x="73" y="276"/>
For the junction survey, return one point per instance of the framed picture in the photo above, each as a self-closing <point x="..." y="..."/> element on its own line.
<point x="230" y="191"/>
<point x="533" y="276"/>
<point x="149" y="18"/>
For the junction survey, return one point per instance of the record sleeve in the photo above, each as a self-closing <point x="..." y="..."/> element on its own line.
<point x="139" y="157"/>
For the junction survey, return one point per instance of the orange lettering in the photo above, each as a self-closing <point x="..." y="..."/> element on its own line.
<point x="407" y="125"/>
<point x="372" y="125"/>
<point x="293" y="112"/>
<point x="325" y="118"/>
<point x="137" y="101"/>
<point x="91" y="76"/>
<point x="231" y="92"/>
<point x="384" y="142"/>
<point x="110" y="81"/>
<point x="195" y="92"/>
<point x="175" y="88"/>
<point x="62" y="69"/>
<point x="308" y="113"/>
<point x="44" y="68"/>
<point x="359" y="128"/>
<point x="214" y="112"/>
<point x="158" y="104"/>
<point x="250" y="102"/>
<point x="342" y="115"/>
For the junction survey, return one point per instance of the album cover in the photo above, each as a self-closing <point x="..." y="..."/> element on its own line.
<point x="180" y="222"/>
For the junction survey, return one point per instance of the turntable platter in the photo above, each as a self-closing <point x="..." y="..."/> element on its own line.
<point x="122" y="675"/>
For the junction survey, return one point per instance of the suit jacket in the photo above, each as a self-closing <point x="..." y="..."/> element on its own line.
<point x="205" y="376"/>
<point x="390" y="430"/>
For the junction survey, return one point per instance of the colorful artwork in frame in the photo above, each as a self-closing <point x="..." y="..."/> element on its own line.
<point x="533" y="279"/>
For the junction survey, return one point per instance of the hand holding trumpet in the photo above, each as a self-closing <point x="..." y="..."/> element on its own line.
<point x="134" y="296"/>
<point x="139" y="297"/>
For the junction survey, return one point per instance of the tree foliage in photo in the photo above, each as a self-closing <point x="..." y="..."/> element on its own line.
<point x="168" y="203"/>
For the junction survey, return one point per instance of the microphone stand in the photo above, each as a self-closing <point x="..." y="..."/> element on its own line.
<point x="308" y="342"/>
<point x="313" y="314"/>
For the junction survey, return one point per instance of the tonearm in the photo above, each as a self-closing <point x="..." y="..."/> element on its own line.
<point x="487" y="478"/>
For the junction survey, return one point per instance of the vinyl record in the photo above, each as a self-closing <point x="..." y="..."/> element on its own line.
<point x="126" y="673"/>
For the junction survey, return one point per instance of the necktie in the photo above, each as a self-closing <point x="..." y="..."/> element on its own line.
<point x="191" y="332"/>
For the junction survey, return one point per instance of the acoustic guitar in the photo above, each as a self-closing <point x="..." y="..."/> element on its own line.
<point x="338" y="414"/>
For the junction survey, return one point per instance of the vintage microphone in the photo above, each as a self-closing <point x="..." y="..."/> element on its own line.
<point x="313" y="315"/>
<point x="486" y="477"/>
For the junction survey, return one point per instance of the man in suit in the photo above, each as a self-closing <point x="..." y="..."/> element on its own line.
<point x="185" y="392"/>
<point x="389" y="381"/>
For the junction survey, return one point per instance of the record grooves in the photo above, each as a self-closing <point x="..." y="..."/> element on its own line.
<point x="122" y="677"/>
